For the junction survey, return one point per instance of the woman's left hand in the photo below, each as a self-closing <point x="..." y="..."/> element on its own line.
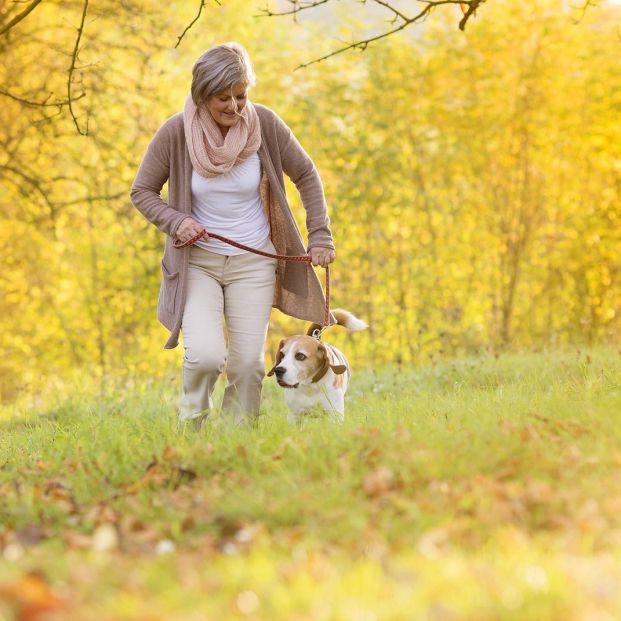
<point x="322" y="256"/>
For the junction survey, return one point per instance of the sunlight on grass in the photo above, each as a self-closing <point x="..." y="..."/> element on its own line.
<point x="480" y="488"/>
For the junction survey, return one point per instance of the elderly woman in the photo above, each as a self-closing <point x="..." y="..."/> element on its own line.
<point x="224" y="159"/>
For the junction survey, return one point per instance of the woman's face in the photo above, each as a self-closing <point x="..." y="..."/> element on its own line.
<point x="224" y="105"/>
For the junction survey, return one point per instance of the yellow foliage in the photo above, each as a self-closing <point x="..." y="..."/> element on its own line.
<point x="473" y="180"/>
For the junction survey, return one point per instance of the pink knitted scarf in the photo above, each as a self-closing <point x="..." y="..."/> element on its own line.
<point x="211" y="154"/>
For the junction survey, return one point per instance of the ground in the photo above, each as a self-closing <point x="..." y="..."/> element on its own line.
<point x="476" y="489"/>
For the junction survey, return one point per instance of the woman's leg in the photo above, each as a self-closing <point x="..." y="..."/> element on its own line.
<point x="248" y="294"/>
<point x="203" y="337"/>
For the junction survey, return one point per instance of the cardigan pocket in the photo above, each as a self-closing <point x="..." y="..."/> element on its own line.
<point x="168" y="290"/>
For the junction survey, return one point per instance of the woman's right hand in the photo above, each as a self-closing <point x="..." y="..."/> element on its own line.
<point x="188" y="229"/>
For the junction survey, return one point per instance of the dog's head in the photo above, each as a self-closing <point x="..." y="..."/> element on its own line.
<point x="302" y="359"/>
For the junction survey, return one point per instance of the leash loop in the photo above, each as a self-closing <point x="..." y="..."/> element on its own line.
<point x="281" y="257"/>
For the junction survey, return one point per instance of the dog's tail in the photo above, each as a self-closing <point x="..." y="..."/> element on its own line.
<point x="343" y="318"/>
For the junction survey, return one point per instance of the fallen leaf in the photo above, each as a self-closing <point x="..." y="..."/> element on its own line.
<point x="78" y="541"/>
<point x="366" y="432"/>
<point x="529" y="433"/>
<point x="430" y="543"/>
<point x="101" y="513"/>
<point x="30" y="535"/>
<point x="169" y="453"/>
<point x="105" y="538"/>
<point x="31" y="598"/>
<point x="378" y="482"/>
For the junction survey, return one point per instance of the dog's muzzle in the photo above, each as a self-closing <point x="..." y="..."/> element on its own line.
<point x="279" y="372"/>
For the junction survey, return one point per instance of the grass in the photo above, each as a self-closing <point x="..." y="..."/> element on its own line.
<point x="470" y="489"/>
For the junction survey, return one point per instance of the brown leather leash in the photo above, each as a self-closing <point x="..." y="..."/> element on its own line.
<point x="281" y="257"/>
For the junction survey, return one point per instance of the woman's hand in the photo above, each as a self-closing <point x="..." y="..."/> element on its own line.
<point x="322" y="256"/>
<point x="188" y="229"/>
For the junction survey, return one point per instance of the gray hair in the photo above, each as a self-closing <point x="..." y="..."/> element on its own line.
<point x="219" y="69"/>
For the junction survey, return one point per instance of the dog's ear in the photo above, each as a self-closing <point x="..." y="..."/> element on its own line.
<point x="279" y="357"/>
<point x="325" y="363"/>
<point x="339" y="369"/>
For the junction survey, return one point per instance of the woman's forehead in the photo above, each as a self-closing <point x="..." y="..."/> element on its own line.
<point x="238" y="89"/>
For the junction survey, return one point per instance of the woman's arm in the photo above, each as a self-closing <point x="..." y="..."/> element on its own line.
<point x="299" y="167"/>
<point x="153" y="173"/>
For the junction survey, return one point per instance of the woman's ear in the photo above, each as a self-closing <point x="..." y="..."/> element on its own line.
<point x="279" y="357"/>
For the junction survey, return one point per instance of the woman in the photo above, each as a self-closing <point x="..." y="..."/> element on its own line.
<point x="224" y="159"/>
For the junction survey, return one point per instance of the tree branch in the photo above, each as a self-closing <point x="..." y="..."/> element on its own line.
<point x="200" y="10"/>
<point x="472" y="7"/>
<point x="74" y="59"/>
<point x="405" y="22"/>
<point x="298" y="5"/>
<point x="18" y="18"/>
<point x="400" y="18"/>
<point x="583" y="9"/>
<point x="388" y="6"/>
<point x="40" y="104"/>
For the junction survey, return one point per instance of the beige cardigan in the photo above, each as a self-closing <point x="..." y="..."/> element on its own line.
<point x="298" y="292"/>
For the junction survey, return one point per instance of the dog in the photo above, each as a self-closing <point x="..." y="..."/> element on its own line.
<point x="314" y="374"/>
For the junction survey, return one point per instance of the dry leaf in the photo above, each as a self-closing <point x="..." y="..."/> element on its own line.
<point x="430" y="543"/>
<point x="367" y="432"/>
<point x="105" y="538"/>
<point x="31" y="598"/>
<point x="379" y="482"/>
<point x="169" y="453"/>
<point x="30" y="535"/>
<point x="78" y="541"/>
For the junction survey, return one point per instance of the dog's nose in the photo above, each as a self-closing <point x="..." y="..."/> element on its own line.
<point x="280" y="371"/>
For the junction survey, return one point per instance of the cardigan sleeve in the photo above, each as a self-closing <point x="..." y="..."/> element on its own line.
<point x="299" y="167"/>
<point x="153" y="173"/>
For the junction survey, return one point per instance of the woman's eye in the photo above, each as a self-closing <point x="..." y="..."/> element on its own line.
<point x="300" y="357"/>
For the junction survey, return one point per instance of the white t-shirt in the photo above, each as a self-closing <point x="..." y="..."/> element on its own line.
<point x="231" y="206"/>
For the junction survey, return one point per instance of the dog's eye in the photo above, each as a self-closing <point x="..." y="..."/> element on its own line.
<point x="300" y="356"/>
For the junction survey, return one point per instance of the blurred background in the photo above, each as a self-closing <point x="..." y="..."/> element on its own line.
<point x="473" y="178"/>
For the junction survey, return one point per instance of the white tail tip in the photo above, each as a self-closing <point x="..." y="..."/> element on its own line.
<point x="349" y="320"/>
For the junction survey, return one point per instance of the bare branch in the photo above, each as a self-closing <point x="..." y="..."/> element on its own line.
<point x="200" y="10"/>
<point x="298" y="5"/>
<point x="90" y="198"/>
<point x="388" y="6"/>
<point x="36" y="184"/>
<point x="583" y="9"/>
<point x="406" y="21"/>
<point x="74" y="58"/>
<point x="400" y="19"/>
<point x="18" y="18"/>
<point x="40" y="104"/>
<point x="472" y="7"/>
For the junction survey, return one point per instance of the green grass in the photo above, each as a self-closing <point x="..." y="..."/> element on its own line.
<point x="471" y="489"/>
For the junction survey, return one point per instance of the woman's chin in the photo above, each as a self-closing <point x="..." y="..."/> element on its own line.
<point x="229" y="121"/>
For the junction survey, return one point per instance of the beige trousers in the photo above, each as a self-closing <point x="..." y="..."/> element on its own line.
<point x="240" y="288"/>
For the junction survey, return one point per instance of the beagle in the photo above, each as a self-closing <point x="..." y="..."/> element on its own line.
<point x="314" y="374"/>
